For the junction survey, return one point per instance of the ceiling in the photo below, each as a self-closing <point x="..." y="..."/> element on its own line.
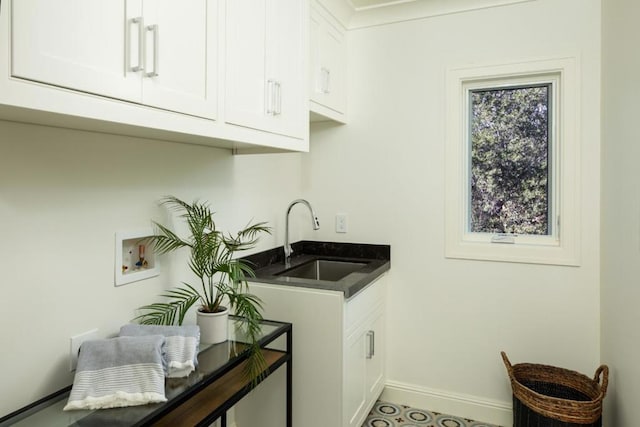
<point x="353" y="14"/>
<point x="370" y="4"/>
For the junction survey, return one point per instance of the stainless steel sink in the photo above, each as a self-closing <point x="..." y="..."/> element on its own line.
<point x="323" y="269"/>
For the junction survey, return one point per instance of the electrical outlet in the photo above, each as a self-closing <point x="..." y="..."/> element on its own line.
<point x="341" y="223"/>
<point x="75" y="343"/>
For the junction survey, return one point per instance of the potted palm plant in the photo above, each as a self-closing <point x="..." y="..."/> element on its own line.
<point x="221" y="279"/>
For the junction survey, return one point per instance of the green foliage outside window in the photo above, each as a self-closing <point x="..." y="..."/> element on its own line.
<point x="509" y="132"/>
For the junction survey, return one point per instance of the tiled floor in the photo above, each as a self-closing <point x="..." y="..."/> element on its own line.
<point x="386" y="414"/>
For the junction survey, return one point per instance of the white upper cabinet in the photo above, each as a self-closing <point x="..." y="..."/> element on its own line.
<point x="181" y="56"/>
<point x="265" y="61"/>
<point x="224" y="73"/>
<point x="155" y="52"/>
<point x="77" y="44"/>
<point x="328" y="66"/>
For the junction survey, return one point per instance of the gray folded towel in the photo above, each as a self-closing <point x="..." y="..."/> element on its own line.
<point x="180" y="348"/>
<point x="123" y="371"/>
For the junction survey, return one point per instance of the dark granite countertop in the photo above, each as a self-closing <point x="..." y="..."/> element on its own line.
<point x="269" y="264"/>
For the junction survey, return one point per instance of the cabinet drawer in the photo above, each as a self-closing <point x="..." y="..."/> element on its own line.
<point x="360" y="305"/>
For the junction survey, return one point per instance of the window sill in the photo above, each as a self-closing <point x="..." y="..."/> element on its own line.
<point x="513" y="252"/>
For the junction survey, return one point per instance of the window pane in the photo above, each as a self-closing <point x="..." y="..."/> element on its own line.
<point x="509" y="131"/>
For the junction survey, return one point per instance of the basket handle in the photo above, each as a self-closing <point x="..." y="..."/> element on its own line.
<point x="604" y="370"/>
<point x="507" y="364"/>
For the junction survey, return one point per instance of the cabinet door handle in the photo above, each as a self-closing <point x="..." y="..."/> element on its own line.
<point x="156" y="40"/>
<point x="140" y="23"/>
<point x="328" y="87"/>
<point x="325" y="80"/>
<point x="278" y="98"/>
<point x="270" y="98"/>
<point x="372" y="344"/>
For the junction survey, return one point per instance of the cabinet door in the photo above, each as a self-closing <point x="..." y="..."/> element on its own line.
<point x="285" y="59"/>
<point x="328" y="62"/>
<point x="317" y="355"/>
<point x="264" y="83"/>
<point x="364" y="368"/>
<point x="355" y="374"/>
<point x="375" y="356"/>
<point x="181" y="56"/>
<point x="77" y="44"/>
<point x="245" y="81"/>
<point x="315" y="27"/>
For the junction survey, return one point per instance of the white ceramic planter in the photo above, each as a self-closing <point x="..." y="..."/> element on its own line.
<point x="213" y="326"/>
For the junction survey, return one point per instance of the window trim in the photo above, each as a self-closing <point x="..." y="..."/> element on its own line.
<point x="562" y="247"/>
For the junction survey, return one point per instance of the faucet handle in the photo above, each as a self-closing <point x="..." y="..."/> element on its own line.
<point x="316" y="223"/>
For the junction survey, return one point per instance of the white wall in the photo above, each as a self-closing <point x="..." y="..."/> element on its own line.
<point x="63" y="195"/>
<point x="620" y="286"/>
<point x="449" y="319"/>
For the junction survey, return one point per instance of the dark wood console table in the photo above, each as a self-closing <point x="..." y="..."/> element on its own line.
<point x="198" y="400"/>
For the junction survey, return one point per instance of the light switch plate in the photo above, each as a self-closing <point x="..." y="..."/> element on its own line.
<point x="341" y="222"/>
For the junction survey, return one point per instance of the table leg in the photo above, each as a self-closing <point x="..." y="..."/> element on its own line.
<point x="290" y="379"/>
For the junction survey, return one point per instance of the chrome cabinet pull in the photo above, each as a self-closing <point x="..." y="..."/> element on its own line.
<point x="328" y="87"/>
<point x="274" y="97"/>
<point x="156" y="39"/>
<point x="278" y="103"/>
<point x="372" y="344"/>
<point x="140" y="23"/>
<point x="270" y="98"/>
<point x="325" y="78"/>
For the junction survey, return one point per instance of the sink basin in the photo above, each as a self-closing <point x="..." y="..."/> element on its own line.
<point x="323" y="269"/>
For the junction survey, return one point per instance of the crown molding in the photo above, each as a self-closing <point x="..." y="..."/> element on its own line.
<point x="402" y="10"/>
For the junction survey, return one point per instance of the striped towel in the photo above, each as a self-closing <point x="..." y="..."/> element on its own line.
<point x="117" y="372"/>
<point x="180" y="348"/>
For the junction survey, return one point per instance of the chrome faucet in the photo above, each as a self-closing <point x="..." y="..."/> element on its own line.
<point x="314" y="222"/>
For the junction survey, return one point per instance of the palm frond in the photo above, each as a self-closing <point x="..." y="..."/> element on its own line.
<point x="255" y="369"/>
<point x="252" y="231"/>
<point x="157" y="314"/>
<point x="247" y="238"/>
<point x="245" y="268"/>
<point x="166" y="241"/>
<point x="175" y="203"/>
<point x="248" y="306"/>
<point x="166" y="313"/>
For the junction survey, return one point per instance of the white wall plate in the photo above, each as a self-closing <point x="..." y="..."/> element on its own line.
<point x="135" y="258"/>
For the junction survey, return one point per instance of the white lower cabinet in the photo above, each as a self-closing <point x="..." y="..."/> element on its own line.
<point x="338" y="355"/>
<point x="364" y="370"/>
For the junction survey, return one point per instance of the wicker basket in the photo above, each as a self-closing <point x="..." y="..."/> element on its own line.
<point x="546" y="396"/>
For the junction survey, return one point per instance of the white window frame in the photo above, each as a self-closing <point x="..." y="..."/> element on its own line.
<point x="553" y="200"/>
<point x="562" y="245"/>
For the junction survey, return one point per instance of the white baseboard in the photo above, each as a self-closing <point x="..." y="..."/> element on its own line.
<point x="466" y="406"/>
<point x="229" y="424"/>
